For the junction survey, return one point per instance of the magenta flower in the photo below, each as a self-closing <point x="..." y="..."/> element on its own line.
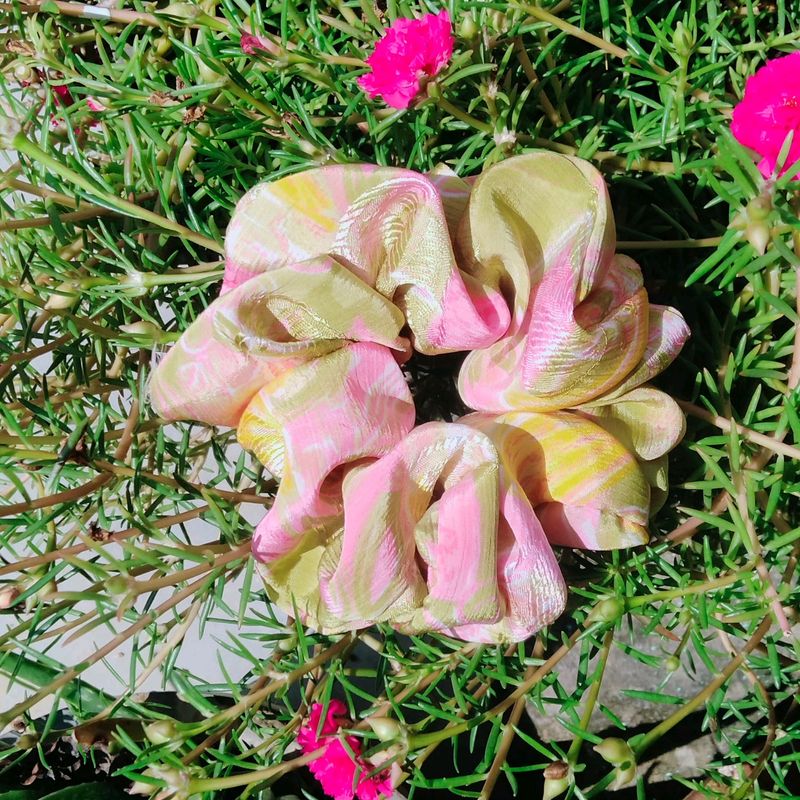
<point x="336" y="768"/>
<point x="251" y="44"/>
<point x="410" y="50"/>
<point x="63" y="94"/>
<point x="769" y="111"/>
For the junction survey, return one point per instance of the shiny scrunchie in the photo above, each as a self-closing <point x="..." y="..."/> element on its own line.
<point x="333" y="277"/>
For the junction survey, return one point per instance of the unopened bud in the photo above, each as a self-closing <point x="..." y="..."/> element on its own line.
<point x="385" y="728"/>
<point x="142" y="328"/>
<point x="468" y="28"/>
<point x="162" y="731"/>
<point x="623" y="776"/>
<point x="616" y="751"/>
<point x="135" y="283"/>
<point x="499" y="22"/>
<point x="177" y="782"/>
<point x="288" y="644"/>
<point x="759" y="235"/>
<point x="753" y="221"/>
<point x="556" y="779"/>
<point x="64" y="296"/>
<point x="207" y="74"/>
<point x="25" y="74"/>
<point x="8" y="596"/>
<point x="608" y="610"/>
<point x="185" y="11"/>
<point x="557" y="770"/>
<point x="48" y="590"/>
<point x="27" y="741"/>
<point x="553" y="787"/>
<point x="117" y="586"/>
<point x="672" y="663"/>
<point x="683" y="40"/>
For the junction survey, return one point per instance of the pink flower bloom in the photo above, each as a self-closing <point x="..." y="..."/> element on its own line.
<point x="409" y="50"/>
<point x="251" y="44"/>
<point x="769" y="111"/>
<point x="336" y="769"/>
<point x="95" y="105"/>
<point x="63" y="94"/>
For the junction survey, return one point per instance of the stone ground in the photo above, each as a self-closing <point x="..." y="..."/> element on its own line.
<point x="696" y="748"/>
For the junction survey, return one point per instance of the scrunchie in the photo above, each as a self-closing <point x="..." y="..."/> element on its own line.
<point x="332" y="278"/>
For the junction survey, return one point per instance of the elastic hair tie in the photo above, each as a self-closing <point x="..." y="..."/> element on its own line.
<point x="334" y="277"/>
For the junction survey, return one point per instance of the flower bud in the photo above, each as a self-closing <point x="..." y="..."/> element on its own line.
<point x="207" y="74"/>
<point x="385" y="728"/>
<point x="557" y="779"/>
<point x="162" y="731"/>
<point x="468" y="28"/>
<point x="27" y="741"/>
<point x="499" y="22"/>
<point x="624" y="776"/>
<point x="8" y="596"/>
<point x="608" y="610"/>
<point x="553" y="787"/>
<point x="25" y="74"/>
<point x="759" y="235"/>
<point x="753" y="221"/>
<point x="616" y="751"/>
<point x="558" y="769"/>
<point x="135" y="283"/>
<point x="288" y="644"/>
<point x="177" y="782"/>
<point x="759" y="208"/>
<point x="64" y="296"/>
<point x="672" y="663"/>
<point x="142" y="328"/>
<point x="117" y="586"/>
<point x="188" y="12"/>
<point x="683" y="40"/>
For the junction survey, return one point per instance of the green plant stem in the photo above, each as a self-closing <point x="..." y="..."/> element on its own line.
<point x="770" y="442"/>
<point x="123" y="16"/>
<point x="71" y="674"/>
<point x="283" y="681"/>
<point x="693" y="588"/>
<point x="455" y="729"/>
<point x="545" y="16"/>
<point x="67" y="552"/>
<point x="678" y="244"/>
<point x="591" y="699"/>
<point x="29" y="148"/>
<point x="653" y="735"/>
<point x="446" y="105"/>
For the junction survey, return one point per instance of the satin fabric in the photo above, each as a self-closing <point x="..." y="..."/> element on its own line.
<point x="333" y="277"/>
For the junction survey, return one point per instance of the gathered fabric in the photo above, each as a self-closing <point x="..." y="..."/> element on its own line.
<point x="333" y="278"/>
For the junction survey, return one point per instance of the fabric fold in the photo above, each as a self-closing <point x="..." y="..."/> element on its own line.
<point x="333" y="278"/>
<point x="389" y="227"/>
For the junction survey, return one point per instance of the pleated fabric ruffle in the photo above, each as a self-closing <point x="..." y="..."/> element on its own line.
<point x="333" y="278"/>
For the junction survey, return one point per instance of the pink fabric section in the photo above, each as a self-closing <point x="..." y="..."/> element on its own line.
<point x="390" y="228"/>
<point x="332" y="276"/>
<point x="365" y="411"/>
<point x="442" y="540"/>
<point x="206" y="379"/>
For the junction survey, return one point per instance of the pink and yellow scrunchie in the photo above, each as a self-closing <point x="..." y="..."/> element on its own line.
<point x="333" y="277"/>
